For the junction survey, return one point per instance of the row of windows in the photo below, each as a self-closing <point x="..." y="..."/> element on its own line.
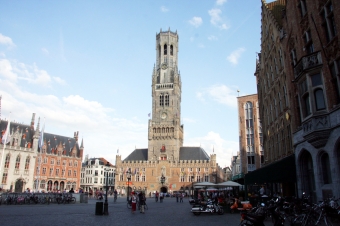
<point x="52" y="162"/>
<point x="276" y="106"/>
<point x="90" y="180"/>
<point x="279" y="144"/>
<point x="328" y="22"/>
<point x="165" y="50"/>
<point x="17" y="162"/>
<point x="57" y="172"/>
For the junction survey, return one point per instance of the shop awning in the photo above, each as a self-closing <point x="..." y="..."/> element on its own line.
<point x="283" y="170"/>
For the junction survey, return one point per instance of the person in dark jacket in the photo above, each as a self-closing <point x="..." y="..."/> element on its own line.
<point x="141" y="197"/>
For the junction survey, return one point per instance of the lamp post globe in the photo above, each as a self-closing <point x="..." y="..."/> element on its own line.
<point x="162" y="179"/>
<point x="106" y="204"/>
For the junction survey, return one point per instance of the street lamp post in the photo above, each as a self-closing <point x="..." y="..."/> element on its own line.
<point x="192" y="186"/>
<point x="128" y="175"/>
<point x="106" y="204"/>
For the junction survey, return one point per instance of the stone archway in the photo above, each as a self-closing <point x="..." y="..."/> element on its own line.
<point x="307" y="174"/>
<point x="164" y="189"/>
<point x="19" y="186"/>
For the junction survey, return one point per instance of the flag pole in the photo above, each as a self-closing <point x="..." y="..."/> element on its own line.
<point x="4" y="146"/>
<point x="40" y="144"/>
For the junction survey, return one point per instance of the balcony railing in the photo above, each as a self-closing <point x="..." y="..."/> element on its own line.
<point x="165" y="86"/>
<point x="307" y="62"/>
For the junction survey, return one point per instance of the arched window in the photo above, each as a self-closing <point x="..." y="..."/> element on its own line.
<point x="165" y="49"/>
<point x="166" y="100"/>
<point x="17" y="162"/>
<point x="161" y="100"/>
<point x="8" y="158"/>
<point x="171" y="50"/>
<point x="27" y="163"/>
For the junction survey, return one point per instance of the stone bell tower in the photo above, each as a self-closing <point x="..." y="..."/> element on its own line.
<point x="165" y="130"/>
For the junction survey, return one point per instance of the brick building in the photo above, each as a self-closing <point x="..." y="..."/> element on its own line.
<point x="311" y="46"/>
<point x="250" y="134"/>
<point x="274" y="107"/>
<point x="166" y="166"/>
<point x="58" y="163"/>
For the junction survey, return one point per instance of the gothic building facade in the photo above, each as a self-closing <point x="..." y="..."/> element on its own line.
<point x="166" y="165"/>
<point x="311" y="46"/>
<point x="54" y="166"/>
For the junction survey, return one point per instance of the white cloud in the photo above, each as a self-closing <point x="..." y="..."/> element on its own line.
<point x="220" y="2"/>
<point x="45" y="51"/>
<point x="212" y="38"/>
<point x="216" y="19"/>
<point x="235" y="55"/>
<point x="213" y="143"/>
<point x="201" y="45"/>
<point x="6" y="70"/>
<point x="196" y="21"/>
<point x="164" y="9"/>
<point x="6" y="41"/>
<point x="59" y="80"/>
<point x="219" y="93"/>
<point x="32" y="74"/>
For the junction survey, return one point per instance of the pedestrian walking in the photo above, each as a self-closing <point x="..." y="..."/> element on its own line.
<point x="177" y="194"/>
<point x="181" y="197"/>
<point x="133" y="202"/>
<point x="115" y="193"/>
<point x="141" y="197"/>
<point x="156" y="196"/>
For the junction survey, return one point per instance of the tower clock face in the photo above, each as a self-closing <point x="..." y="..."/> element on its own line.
<point x="164" y="66"/>
<point x="164" y="115"/>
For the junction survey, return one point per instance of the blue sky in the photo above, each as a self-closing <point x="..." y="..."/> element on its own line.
<point x="86" y="66"/>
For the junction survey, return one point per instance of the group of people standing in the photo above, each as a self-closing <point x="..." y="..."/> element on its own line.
<point x="140" y="199"/>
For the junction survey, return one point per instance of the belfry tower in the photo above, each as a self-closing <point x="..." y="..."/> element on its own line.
<point x="165" y="130"/>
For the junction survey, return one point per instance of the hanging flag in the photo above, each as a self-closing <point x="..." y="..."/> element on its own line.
<point x="41" y="137"/>
<point x="7" y="136"/>
<point x="117" y="150"/>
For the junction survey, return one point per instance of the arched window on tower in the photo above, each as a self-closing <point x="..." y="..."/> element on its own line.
<point x="171" y="50"/>
<point x="165" y="49"/>
<point x="166" y="100"/>
<point x="161" y="100"/>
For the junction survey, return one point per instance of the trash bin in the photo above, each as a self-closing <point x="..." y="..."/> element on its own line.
<point x="81" y="200"/>
<point x="85" y="198"/>
<point x="99" y="208"/>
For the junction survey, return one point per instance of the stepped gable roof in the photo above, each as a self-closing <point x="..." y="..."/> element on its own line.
<point x="52" y="142"/>
<point x="138" y="155"/>
<point x="276" y="9"/>
<point x="26" y="130"/>
<point x="193" y="153"/>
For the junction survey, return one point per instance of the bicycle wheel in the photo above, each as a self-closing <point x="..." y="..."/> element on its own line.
<point x="73" y="200"/>
<point x="129" y="205"/>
